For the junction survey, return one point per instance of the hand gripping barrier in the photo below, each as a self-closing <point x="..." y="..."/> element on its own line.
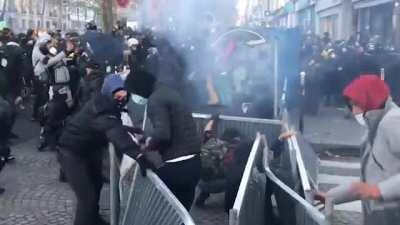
<point x="149" y="200"/>
<point x="249" y="204"/>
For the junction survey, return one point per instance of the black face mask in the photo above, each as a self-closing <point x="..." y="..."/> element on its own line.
<point x="44" y="50"/>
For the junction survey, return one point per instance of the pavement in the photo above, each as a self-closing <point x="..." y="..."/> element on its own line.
<point x="331" y="130"/>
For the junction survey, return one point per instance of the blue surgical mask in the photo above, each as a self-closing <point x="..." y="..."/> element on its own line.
<point x="138" y="99"/>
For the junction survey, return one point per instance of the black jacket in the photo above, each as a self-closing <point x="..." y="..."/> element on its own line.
<point x="90" y="86"/>
<point x="174" y="131"/>
<point x="17" y="65"/>
<point x="96" y="124"/>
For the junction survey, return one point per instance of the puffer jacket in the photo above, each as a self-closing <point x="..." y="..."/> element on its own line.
<point x="174" y="131"/>
<point x="380" y="165"/>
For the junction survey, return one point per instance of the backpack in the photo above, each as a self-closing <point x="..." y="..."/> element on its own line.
<point x="211" y="155"/>
<point x="60" y="75"/>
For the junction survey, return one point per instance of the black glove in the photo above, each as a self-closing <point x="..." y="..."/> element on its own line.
<point x="144" y="164"/>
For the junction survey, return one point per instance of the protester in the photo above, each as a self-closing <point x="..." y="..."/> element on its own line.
<point x="82" y="141"/>
<point x="213" y="153"/>
<point x="369" y="100"/>
<point x="60" y="103"/>
<point x="174" y="135"/>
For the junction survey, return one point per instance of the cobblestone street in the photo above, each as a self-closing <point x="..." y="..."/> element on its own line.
<point x="33" y="194"/>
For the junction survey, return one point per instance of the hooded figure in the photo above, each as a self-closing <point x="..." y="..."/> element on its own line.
<point x="83" y="139"/>
<point x="370" y="102"/>
<point x="174" y="135"/>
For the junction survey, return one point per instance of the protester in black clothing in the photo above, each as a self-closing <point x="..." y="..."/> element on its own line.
<point x="82" y="141"/>
<point x="7" y="117"/>
<point x="16" y="65"/>
<point x="91" y="83"/>
<point x="174" y="135"/>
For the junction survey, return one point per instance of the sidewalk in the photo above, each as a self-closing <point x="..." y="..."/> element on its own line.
<point x="330" y="130"/>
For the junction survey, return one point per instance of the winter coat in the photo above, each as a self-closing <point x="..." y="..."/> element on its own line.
<point x="174" y="131"/>
<point x="380" y="165"/>
<point x="16" y="66"/>
<point x="96" y="124"/>
<point x="37" y="56"/>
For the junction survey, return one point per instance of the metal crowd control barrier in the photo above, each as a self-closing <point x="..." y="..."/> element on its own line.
<point x="305" y="162"/>
<point x="149" y="202"/>
<point x="247" y="126"/>
<point x="306" y="214"/>
<point x="249" y="204"/>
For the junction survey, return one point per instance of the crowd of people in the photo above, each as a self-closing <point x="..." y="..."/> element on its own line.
<point x="330" y="65"/>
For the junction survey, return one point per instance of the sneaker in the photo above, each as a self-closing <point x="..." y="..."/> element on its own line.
<point x="10" y="158"/>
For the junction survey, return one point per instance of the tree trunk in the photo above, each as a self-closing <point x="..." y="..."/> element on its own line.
<point x="3" y="11"/>
<point x="108" y="17"/>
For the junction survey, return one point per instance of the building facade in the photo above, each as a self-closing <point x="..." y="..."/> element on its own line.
<point x="21" y="15"/>
<point x="342" y="19"/>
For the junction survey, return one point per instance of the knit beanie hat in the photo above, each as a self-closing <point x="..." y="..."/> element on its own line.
<point x="112" y="83"/>
<point x="368" y="92"/>
<point x="140" y="83"/>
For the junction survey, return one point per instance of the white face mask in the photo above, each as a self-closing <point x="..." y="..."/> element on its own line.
<point x="53" y="51"/>
<point x="138" y="99"/>
<point x="360" y="119"/>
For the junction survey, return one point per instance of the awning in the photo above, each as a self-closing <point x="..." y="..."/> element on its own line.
<point x="369" y="3"/>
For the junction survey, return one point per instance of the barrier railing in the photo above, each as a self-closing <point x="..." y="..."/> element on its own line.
<point x="247" y="126"/>
<point x="306" y="213"/>
<point x="250" y="200"/>
<point x="149" y="200"/>
<point x="305" y="162"/>
<point x="249" y="203"/>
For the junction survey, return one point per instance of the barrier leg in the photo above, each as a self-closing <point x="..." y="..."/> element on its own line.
<point x="114" y="187"/>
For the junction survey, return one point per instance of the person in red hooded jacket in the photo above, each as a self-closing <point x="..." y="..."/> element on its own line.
<point x="369" y="100"/>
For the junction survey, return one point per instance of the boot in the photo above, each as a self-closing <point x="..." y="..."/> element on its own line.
<point x="61" y="176"/>
<point x="2" y="190"/>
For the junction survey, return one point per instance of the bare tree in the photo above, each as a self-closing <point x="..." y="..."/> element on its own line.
<point x="3" y="11"/>
<point x="107" y="7"/>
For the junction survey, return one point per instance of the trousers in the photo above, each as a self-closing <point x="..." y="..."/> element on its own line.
<point x="83" y="173"/>
<point x="182" y="178"/>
